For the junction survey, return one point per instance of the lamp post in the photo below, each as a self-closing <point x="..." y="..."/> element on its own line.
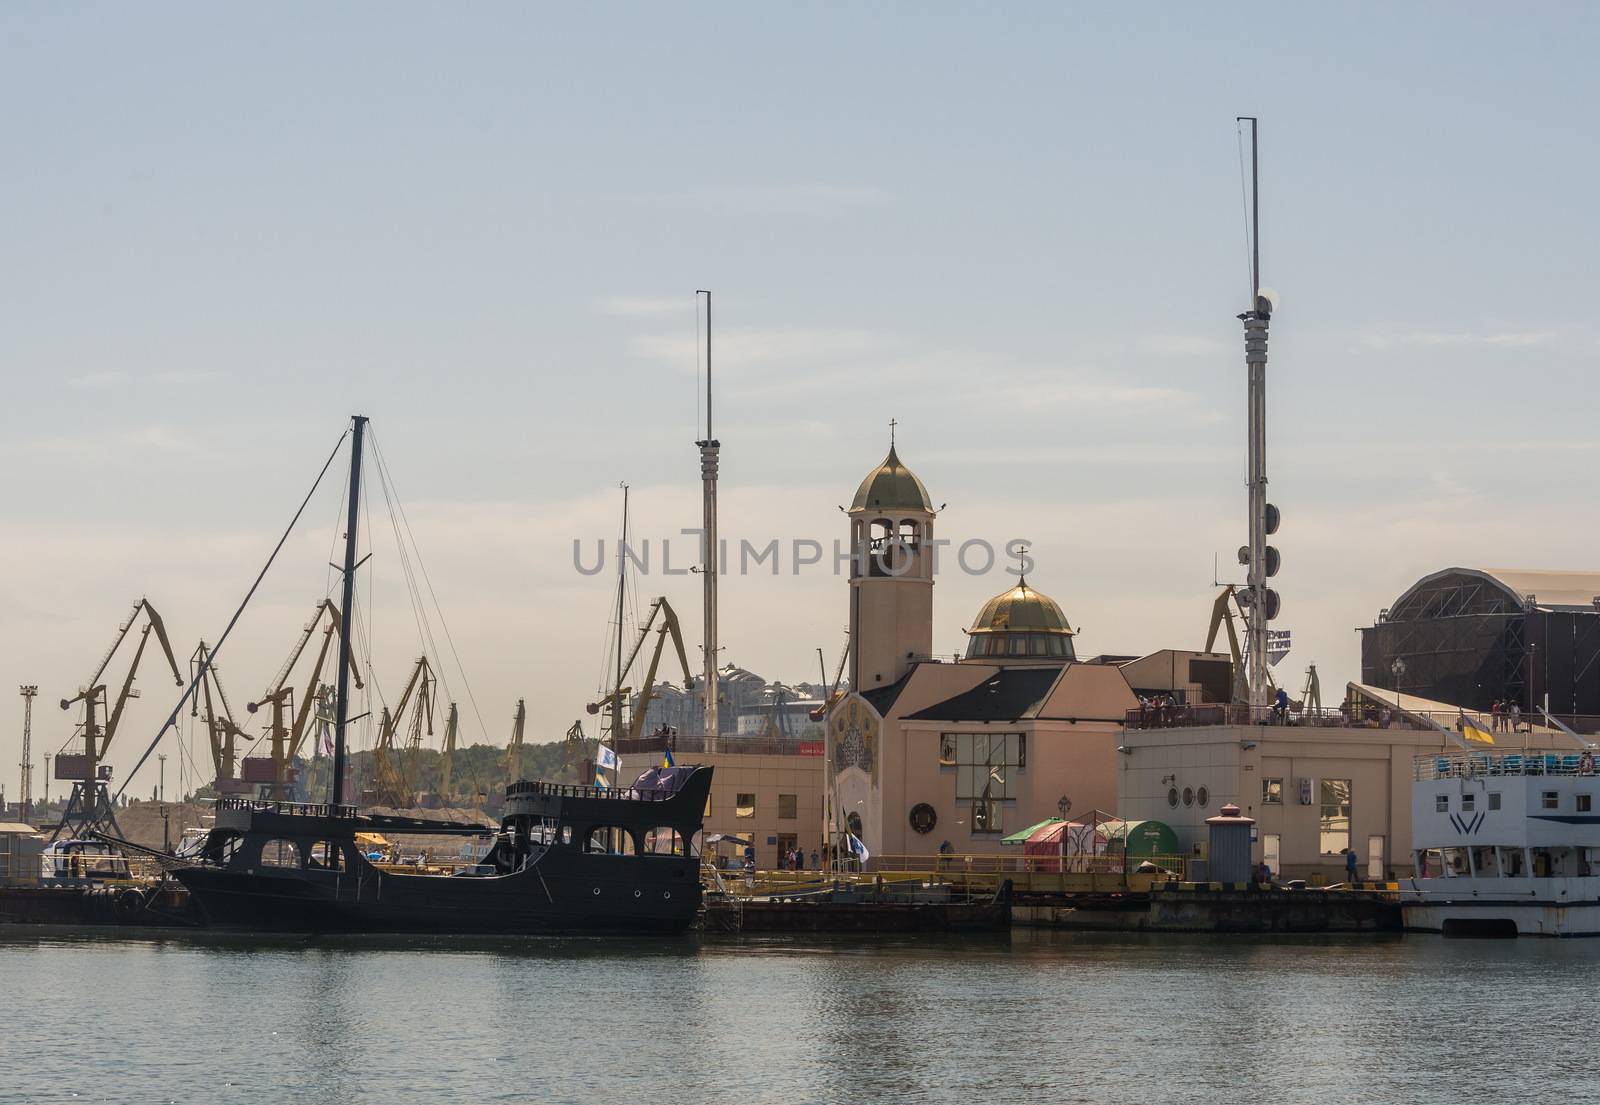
<point x="1397" y="669"/>
<point x="1064" y="805"/>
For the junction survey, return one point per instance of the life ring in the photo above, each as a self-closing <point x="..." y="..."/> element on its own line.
<point x="128" y="905"/>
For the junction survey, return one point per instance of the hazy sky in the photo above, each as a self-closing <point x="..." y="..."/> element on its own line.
<point x="1016" y="229"/>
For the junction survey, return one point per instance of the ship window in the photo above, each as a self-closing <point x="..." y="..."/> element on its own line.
<point x="280" y="853"/>
<point x="1549" y="801"/>
<point x="985" y="816"/>
<point x="744" y="805"/>
<point x="1272" y="792"/>
<point x="1583" y="803"/>
<point x="1469" y="802"/>
<point x="1494" y="799"/>
<point x="1441" y="803"/>
<point x="566" y="834"/>
<point x="1334" y="820"/>
<point x="788" y="807"/>
<point x="325" y="855"/>
<point x="665" y="841"/>
<point x="611" y="840"/>
<point x="947" y="750"/>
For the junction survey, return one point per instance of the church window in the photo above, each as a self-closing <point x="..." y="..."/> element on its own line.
<point x="987" y="765"/>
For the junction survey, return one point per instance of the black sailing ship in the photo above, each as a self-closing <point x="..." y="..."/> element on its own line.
<point x="565" y="858"/>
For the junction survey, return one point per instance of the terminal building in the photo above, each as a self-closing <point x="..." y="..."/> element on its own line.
<point x="1475" y="636"/>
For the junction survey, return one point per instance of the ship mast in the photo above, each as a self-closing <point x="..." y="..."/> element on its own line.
<point x="709" y="447"/>
<point x="346" y="608"/>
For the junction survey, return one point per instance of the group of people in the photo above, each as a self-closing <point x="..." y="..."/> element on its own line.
<point x="1505" y="717"/>
<point x="1157" y="709"/>
<point x="795" y="860"/>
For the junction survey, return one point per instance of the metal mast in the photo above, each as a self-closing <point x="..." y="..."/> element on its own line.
<point x="347" y="608"/>
<point x="622" y="592"/>
<point x="1261" y="560"/>
<point x="709" y="448"/>
<point x="25" y="798"/>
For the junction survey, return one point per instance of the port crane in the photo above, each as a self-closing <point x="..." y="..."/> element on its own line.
<point x="288" y="725"/>
<point x="89" y="806"/>
<point x="395" y="770"/>
<point x="447" y="753"/>
<point x="614" y="701"/>
<point x="222" y="731"/>
<point x="1223" y="611"/>
<point x="519" y="723"/>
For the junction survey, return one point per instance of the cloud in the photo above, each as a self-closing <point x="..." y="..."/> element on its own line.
<point x="744" y="351"/>
<point x="1440" y="339"/>
<point x="814" y="200"/>
<point x="1181" y="345"/>
<point x="102" y="447"/>
<point x="110" y="378"/>
<point x="638" y="306"/>
<point x="102" y="379"/>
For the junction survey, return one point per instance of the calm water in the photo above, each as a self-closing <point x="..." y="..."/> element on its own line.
<point x="1030" y="1018"/>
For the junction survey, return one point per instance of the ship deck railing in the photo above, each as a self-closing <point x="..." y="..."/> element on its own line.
<point x="287" y="809"/>
<point x="1470" y="765"/>
<point x="531" y="788"/>
<point x="978" y="873"/>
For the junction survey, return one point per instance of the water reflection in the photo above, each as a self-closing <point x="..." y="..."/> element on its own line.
<point x="1033" y="1017"/>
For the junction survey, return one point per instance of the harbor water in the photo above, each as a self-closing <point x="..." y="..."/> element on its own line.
<point x="1029" y="1017"/>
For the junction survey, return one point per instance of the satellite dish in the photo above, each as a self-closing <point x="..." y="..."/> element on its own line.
<point x="1272" y="604"/>
<point x="1273" y="518"/>
<point x="1274" y="561"/>
<point x="1244" y="554"/>
<point x="1271" y="298"/>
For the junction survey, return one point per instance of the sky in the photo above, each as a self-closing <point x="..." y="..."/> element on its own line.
<point x="1016" y="230"/>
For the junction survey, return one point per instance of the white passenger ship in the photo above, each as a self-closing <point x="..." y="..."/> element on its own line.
<point x="1506" y="844"/>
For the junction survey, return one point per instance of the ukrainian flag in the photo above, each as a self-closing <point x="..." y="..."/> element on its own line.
<point x="1475" y="732"/>
<point x="666" y="758"/>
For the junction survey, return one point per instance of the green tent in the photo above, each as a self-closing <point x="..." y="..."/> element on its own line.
<point x="1143" y="838"/>
<point x="1020" y="838"/>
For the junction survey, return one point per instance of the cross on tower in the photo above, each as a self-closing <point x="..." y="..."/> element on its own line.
<point x="892" y="425"/>
<point x="1022" y="558"/>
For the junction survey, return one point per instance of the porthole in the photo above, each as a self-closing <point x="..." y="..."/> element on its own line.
<point x="596" y="892"/>
<point x="666" y="894"/>
<point x="1188" y="797"/>
<point x="1202" y="796"/>
<point x="1172" y="797"/>
<point x="638" y="893"/>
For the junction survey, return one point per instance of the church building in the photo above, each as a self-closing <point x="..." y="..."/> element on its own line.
<point x="928" y="753"/>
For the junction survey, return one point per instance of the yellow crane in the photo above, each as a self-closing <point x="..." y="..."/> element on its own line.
<point x="519" y="723"/>
<point x="613" y="701"/>
<point x="1222" y="615"/>
<point x="447" y="753"/>
<point x="288" y="726"/>
<point x="394" y="770"/>
<point x="223" y="732"/>
<point x="90" y="803"/>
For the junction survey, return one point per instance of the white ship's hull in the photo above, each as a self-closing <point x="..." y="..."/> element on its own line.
<point x="1502" y="907"/>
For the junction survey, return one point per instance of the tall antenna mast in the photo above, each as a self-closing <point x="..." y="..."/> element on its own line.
<point x="347" y="608"/>
<point x="622" y="592"/>
<point x="25" y="798"/>
<point x="1260" y="558"/>
<point x="709" y="448"/>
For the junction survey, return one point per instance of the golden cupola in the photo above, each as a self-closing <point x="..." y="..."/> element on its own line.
<point x="1020" y="624"/>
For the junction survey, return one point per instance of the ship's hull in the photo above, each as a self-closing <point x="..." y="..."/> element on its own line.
<point x="650" y="895"/>
<point x="1465" y="906"/>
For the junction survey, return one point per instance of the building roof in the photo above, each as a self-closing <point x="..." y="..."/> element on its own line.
<point x="1021" y="610"/>
<point x="882" y="699"/>
<point x="16" y="828"/>
<point x="1551" y="590"/>
<point x="1011" y="694"/>
<point x="892" y="486"/>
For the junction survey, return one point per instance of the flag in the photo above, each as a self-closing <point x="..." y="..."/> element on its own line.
<point x="606" y="758"/>
<point x="857" y="848"/>
<point x="1474" y="731"/>
<point x="600" y="781"/>
<point x="666" y="758"/>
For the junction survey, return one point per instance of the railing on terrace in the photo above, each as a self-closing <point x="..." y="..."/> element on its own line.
<point x="1473" y="765"/>
<point x="529" y="788"/>
<point x="985" y="872"/>
<point x="1225" y="713"/>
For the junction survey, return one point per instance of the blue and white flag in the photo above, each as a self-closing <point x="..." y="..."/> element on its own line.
<point x="606" y="758"/>
<point x="857" y="848"/>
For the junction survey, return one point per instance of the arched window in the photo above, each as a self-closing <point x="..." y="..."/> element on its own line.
<point x="910" y="533"/>
<point x="663" y="841"/>
<point x="611" y="840"/>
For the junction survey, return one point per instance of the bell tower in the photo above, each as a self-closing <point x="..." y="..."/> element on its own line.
<point x="891" y="574"/>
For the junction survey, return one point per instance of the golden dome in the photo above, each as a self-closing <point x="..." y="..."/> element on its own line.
<point x="892" y="486"/>
<point x="1020" y="622"/>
